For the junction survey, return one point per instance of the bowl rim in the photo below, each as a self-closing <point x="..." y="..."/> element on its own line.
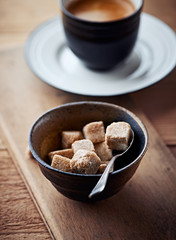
<point x="44" y="164"/>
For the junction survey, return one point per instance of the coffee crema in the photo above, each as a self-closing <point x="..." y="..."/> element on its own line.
<point x="101" y="10"/>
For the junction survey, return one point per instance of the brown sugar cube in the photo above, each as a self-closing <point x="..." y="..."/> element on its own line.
<point x="68" y="137"/>
<point x="103" y="151"/>
<point x="101" y="169"/>
<point x="61" y="163"/>
<point x="85" y="162"/>
<point x="84" y="144"/>
<point x="118" y="135"/>
<point x="68" y="153"/>
<point x="103" y="166"/>
<point x="94" y="131"/>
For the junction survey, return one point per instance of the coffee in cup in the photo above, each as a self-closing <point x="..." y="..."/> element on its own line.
<point x="101" y="10"/>
<point x="101" y="33"/>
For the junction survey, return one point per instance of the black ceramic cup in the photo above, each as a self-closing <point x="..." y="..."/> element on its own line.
<point x="101" y="45"/>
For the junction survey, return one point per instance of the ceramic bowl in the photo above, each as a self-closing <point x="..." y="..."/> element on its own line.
<point x="45" y="136"/>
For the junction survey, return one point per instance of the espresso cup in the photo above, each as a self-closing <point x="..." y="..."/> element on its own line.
<point x="101" y="45"/>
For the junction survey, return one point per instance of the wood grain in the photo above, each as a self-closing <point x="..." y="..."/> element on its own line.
<point x="144" y="209"/>
<point x="159" y="104"/>
<point x="18" y="18"/>
<point x="19" y="218"/>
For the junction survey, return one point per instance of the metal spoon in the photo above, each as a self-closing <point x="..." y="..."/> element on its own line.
<point x="99" y="187"/>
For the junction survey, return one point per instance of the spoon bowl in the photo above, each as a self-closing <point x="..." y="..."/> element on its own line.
<point x="100" y="186"/>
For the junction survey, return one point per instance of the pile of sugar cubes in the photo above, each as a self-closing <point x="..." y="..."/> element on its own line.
<point x="89" y="151"/>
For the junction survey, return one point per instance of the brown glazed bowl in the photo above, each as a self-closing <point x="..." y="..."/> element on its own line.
<point x="45" y="136"/>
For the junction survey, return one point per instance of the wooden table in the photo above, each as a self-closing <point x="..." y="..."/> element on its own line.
<point x="19" y="217"/>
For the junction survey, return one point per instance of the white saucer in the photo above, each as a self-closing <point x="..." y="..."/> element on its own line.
<point x="154" y="56"/>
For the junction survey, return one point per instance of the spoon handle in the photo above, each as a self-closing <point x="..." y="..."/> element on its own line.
<point x="99" y="187"/>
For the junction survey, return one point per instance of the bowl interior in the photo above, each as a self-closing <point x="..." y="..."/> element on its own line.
<point x="45" y="135"/>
